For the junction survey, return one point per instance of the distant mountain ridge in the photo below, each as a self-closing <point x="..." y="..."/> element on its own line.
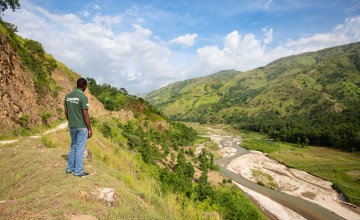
<point x="314" y="83"/>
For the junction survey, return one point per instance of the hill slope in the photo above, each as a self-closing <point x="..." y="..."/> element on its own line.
<point x="304" y="87"/>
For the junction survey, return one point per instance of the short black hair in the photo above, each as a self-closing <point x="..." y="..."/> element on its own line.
<point x="81" y="82"/>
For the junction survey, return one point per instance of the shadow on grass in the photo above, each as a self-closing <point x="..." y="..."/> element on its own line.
<point x="65" y="156"/>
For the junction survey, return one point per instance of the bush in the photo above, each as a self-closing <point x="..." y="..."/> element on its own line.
<point x="45" y="117"/>
<point x="10" y="27"/>
<point x="35" y="48"/>
<point x="24" y="120"/>
<point x="45" y="140"/>
<point x="106" y="130"/>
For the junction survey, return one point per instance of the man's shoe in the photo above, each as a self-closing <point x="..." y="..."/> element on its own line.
<point x="69" y="172"/>
<point x="84" y="174"/>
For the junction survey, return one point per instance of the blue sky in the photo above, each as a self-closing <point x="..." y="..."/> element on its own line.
<point x="142" y="45"/>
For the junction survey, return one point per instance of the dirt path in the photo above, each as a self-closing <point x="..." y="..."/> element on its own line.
<point x="7" y="142"/>
<point x="299" y="194"/>
<point x="57" y="128"/>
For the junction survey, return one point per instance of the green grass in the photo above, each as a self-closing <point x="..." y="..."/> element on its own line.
<point x="197" y="127"/>
<point x="264" y="179"/>
<point x="340" y="168"/>
<point x="211" y="146"/>
<point x="266" y="146"/>
<point x="201" y="140"/>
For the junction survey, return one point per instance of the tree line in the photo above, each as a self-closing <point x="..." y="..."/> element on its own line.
<point x="319" y="128"/>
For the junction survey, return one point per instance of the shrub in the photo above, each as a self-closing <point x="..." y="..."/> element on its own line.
<point x="24" y="120"/>
<point x="45" y="117"/>
<point x="45" y="140"/>
<point x="10" y="27"/>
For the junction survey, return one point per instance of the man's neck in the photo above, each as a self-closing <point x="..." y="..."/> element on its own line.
<point x="80" y="90"/>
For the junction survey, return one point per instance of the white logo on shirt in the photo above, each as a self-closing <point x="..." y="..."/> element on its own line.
<point x="73" y="100"/>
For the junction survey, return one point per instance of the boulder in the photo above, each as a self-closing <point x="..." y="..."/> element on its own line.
<point x="107" y="194"/>
<point x="87" y="155"/>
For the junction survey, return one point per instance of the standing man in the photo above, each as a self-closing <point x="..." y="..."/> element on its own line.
<point x="76" y="111"/>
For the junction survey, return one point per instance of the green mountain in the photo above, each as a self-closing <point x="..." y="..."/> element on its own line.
<point x="314" y="97"/>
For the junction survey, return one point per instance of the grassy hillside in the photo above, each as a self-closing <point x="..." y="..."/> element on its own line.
<point x="313" y="97"/>
<point x="182" y="98"/>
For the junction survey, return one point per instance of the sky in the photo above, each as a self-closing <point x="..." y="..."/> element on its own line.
<point x="143" y="45"/>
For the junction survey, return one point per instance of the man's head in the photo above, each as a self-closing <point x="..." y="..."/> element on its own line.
<point x="81" y="84"/>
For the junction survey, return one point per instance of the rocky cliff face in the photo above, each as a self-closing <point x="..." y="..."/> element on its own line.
<point x="21" y="105"/>
<point x="17" y="91"/>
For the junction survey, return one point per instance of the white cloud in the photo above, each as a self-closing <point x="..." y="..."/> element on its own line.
<point x="96" y="7"/>
<point x="186" y="40"/>
<point x="248" y="52"/>
<point x="268" y="35"/>
<point x="341" y="34"/>
<point x="107" y="20"/>
<point x="239" y="52"/>
<point x="86" y="13"/>
<point x="267" y="4"/>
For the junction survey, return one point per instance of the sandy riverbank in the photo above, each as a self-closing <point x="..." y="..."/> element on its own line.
<point x="291" y="181"/>
<point x="277" y="210"/>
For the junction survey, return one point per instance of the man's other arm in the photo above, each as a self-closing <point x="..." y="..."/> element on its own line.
<point x="87" y="121"/>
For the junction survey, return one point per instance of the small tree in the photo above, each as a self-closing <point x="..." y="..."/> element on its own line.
<point x="203" y="161"/>
<point x="6" y="4"/>
<point x="298" y="141"/>
<point x="24" y="120"/>
<point x="306" y="142"/>
<point x="45" y="117"/>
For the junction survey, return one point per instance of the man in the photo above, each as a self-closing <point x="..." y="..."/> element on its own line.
<point x="76" y="111"/>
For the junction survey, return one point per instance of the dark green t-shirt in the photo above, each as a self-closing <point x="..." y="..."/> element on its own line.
<point x="75" y="102"/>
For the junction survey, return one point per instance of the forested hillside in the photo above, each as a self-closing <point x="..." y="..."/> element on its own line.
<point x="311" y="98"/>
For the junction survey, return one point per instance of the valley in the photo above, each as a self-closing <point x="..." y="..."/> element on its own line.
<point x="258" y="148"/>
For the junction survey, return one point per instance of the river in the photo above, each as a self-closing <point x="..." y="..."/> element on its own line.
<point x="304" y="208"/>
